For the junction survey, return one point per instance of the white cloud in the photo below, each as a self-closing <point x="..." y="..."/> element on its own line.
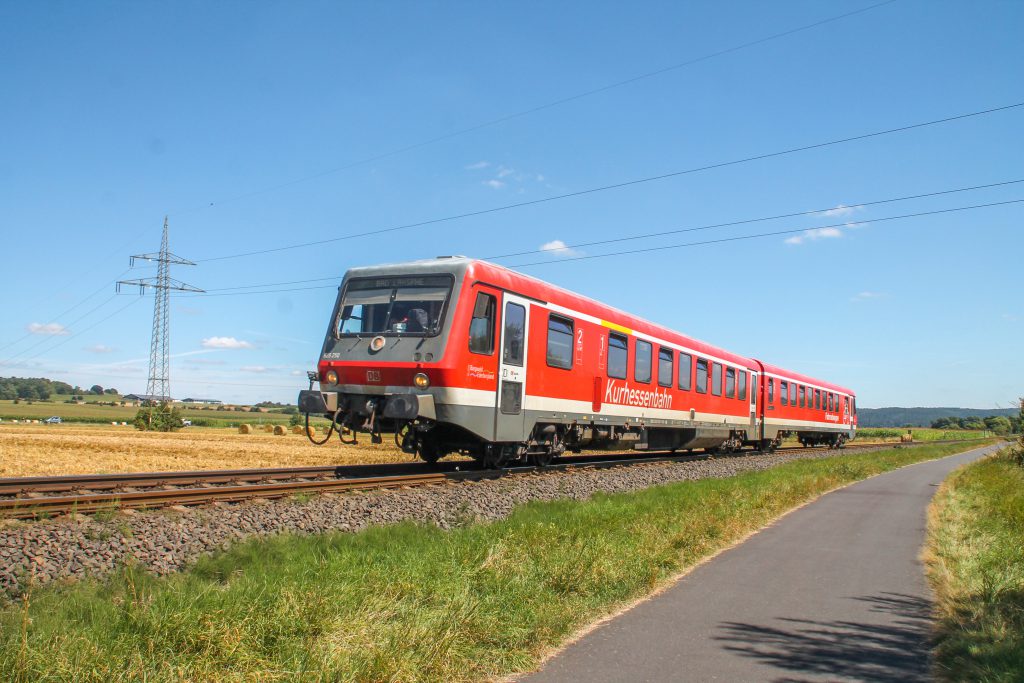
<point x="814" y="234"/>
<point x="494" y="184"/>
<point x="864" y="296"/>
<point x="225" y="343"/>
<point x="49" y="329"/>
<point x="100" y="348"/>
<point x="559" y="248"/>
<point x="254" y="368"/>
<point x="480" y="165"/>
<point x="505" y="171"/>
<point x="841" y="210"/>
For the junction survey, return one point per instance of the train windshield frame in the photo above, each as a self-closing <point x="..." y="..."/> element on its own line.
<point x="404" y="306"/>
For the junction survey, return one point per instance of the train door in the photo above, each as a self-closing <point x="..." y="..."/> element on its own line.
<point x="753" y="401"/>
<point x="510" y="417"/>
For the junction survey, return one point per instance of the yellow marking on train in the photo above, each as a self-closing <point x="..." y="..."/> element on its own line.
<point x="617" y="328"/>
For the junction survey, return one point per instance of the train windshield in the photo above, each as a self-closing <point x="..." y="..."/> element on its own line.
<point x="412" y="306"/>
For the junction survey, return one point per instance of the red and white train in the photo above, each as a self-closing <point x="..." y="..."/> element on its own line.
<point x="461" y="355"/>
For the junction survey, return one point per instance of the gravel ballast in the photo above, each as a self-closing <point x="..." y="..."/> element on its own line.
<point x="166" y="541"/>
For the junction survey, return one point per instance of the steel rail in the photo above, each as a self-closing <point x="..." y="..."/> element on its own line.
<point x="196" y="487"/>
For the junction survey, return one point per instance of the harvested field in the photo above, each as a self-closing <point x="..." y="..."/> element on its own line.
<point x="38" y="450"/>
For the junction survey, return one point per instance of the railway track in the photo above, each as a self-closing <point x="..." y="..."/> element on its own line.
<point x="33" y="497"/>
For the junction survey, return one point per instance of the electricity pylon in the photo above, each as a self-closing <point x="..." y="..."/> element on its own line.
<point x="158" y="388"/>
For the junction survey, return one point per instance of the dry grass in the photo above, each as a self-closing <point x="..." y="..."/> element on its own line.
<point x="36" y="450"/>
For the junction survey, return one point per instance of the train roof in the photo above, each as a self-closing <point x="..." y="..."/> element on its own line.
<point x="805" y="379"/>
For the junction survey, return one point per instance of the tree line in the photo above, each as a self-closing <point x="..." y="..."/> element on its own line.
<point x="996" y="423"/>
<point x="41" y="389"/>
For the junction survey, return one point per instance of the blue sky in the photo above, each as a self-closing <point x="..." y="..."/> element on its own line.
<point x="233" y="118"/>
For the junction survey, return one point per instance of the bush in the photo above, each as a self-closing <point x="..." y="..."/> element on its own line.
<point x="161" y="418"/>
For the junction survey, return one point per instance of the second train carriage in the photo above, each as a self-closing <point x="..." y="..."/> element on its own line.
<point x="461" y="355"/>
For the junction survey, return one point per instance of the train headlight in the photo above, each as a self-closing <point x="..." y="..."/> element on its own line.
<point x="421" y="380"/>
<point x="377" y="343"/>
<point x="331" y="377"/>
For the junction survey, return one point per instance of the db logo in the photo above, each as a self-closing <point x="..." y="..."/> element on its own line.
<point x="373" y="375"/>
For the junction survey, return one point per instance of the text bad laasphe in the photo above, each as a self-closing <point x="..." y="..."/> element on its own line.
<point x="623" y="395"/>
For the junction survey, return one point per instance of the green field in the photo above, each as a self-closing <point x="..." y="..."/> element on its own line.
<point x="407" y="602"/>
<point x="920" y="434"/>
<point x="976" y="565"/>
<point x="90" y="412"/>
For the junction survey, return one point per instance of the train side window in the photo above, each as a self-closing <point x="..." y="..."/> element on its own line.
<point x="716" y="379"/>
<point x="784" y="393"/>
<point x="685" y="371"/>
<point x="702" y="376"/>
<point x="560" y="342"/>
<point x="800" y="395"/>
<point x="742" y="393"/>
<point x="771" y="391"/>
<point x="831" y="402"/>
<point x="515" y="334"/>
<point x="753" y="389"/>
<point x="792" y="394"/>
<point x="642" y="364"/>
<point x="481" y="327"/>
<point x="817" y="399"/>
<point x="665" y="369"/>
<point x="853" y="402"/>
<point x="730" y="382"/>
<point x="618" y="352"/>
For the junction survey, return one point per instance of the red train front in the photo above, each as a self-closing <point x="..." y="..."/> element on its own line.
<point x="458" y="355"/>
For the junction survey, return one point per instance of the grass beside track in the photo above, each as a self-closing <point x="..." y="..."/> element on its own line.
<point x="407" y="602"/>
<point x="975" y="558"/>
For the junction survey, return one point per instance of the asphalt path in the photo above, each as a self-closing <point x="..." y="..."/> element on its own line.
<point x="831" y="592"/>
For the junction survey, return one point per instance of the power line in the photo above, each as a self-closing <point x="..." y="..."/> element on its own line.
<point x="728" y="239"/>
<point x="767" y="234"/>
<point x="43" y="341"/>
<point x="812" y="212"/>
<point x="57" y="318"/>
<point x="543" y="107"/>
<point x="69" y="338"/>
<point x="614" y="186"/>
<point x="748" y="221"/>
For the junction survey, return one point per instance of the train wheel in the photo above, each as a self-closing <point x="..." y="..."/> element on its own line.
<point x="542" y="459"/>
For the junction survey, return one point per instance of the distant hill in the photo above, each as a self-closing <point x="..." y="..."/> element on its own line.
<point x="922" y="417"/>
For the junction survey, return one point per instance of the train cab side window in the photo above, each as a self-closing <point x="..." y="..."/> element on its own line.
<point x="618" y="352"/>
<point x="665" y="369"/>
<point x="784" y="393"/>
<point x="741" y="394"/>
<point x="800" y="395"/>
<point x="560" y="337"/>
<point x="702" y="376"/>
<point x="853" y="403"/>
<point x="730" y="382"/>
<point x="642" y="364"/>
<point x="716" y="379"/>
<point x="771" y="391"/>
<point x="481" y="327"/>
<point x="685" y="371"/>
